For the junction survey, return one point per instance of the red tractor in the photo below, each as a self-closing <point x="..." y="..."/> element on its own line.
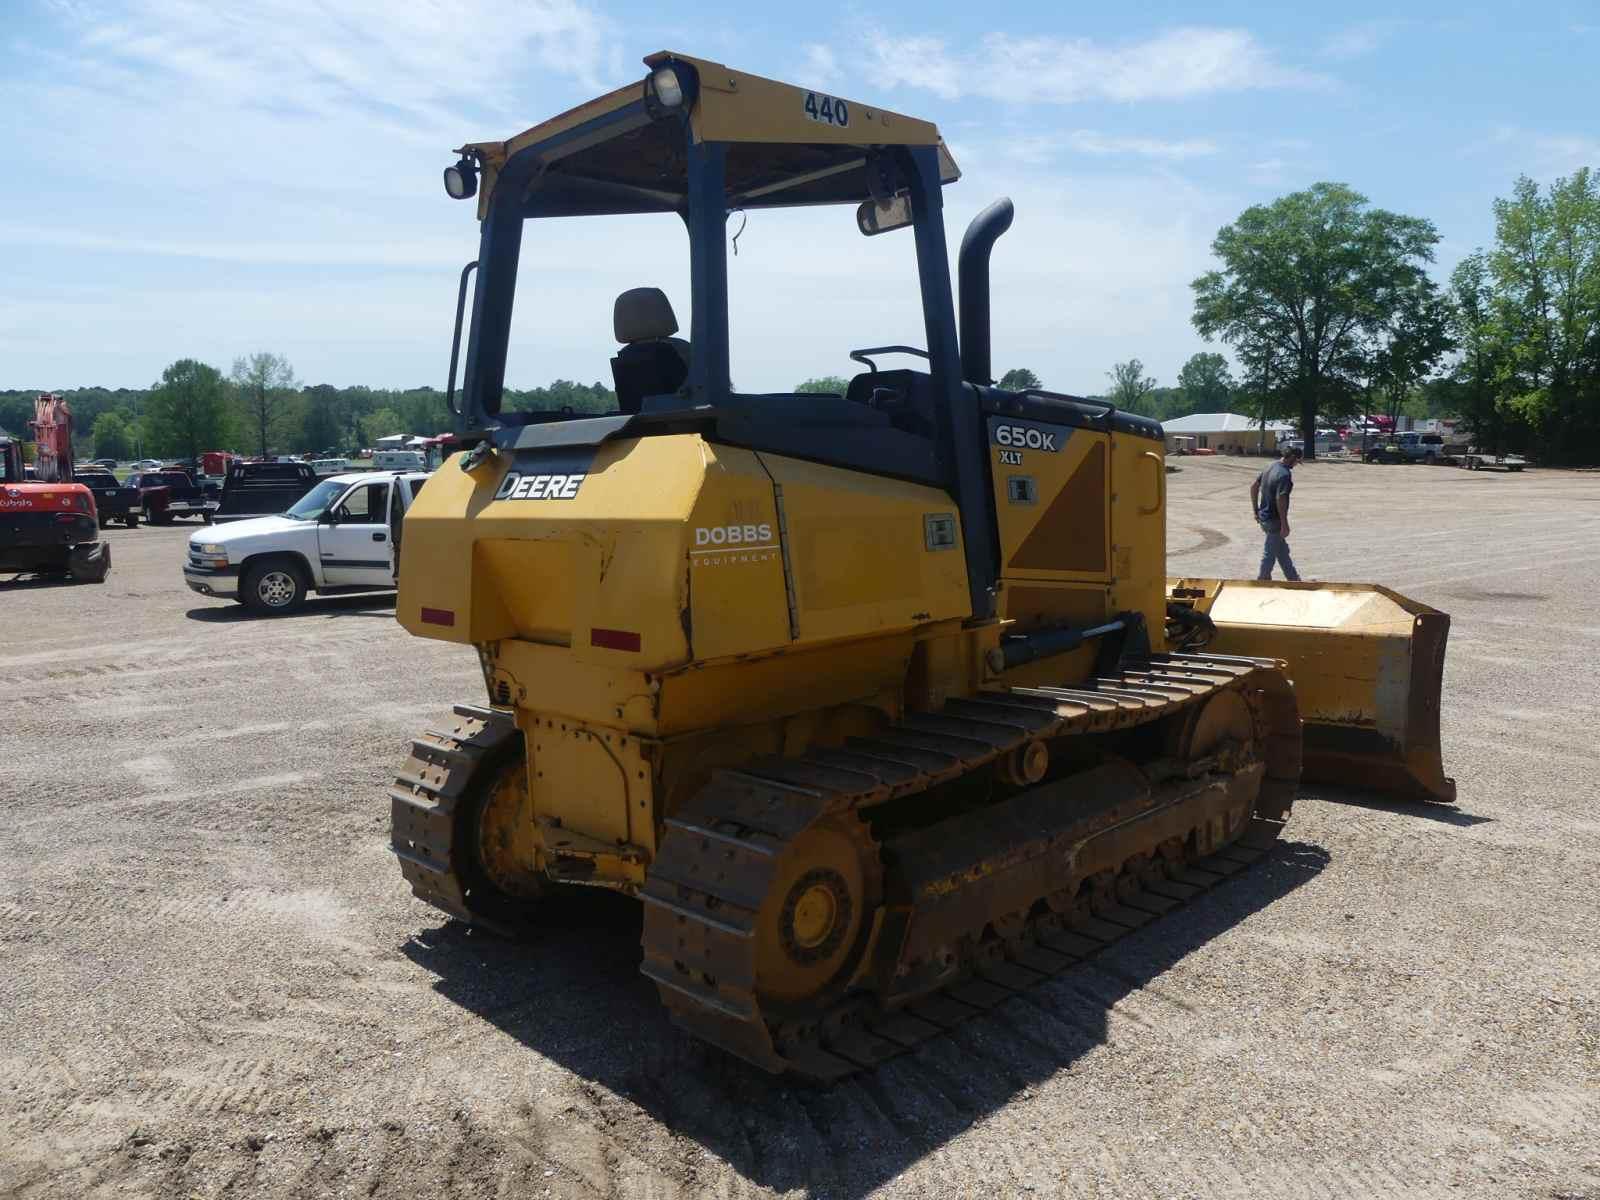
<point x="48" y="525"/>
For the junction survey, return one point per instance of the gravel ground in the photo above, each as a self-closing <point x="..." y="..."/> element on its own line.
<point x="216" y="983"/>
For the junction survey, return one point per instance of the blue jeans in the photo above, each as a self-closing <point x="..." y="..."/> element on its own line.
<point x="1276" y="551"/>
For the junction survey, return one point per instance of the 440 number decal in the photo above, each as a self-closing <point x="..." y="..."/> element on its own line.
<point x="829" y="110"/>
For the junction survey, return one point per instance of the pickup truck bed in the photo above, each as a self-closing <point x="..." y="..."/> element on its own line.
<point x="262" y="489"/>
<point x="113" y="500"/>
<point x="164" y="495"/>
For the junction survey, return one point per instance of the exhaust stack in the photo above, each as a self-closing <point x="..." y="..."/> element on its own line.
<point x="978" y="241"/>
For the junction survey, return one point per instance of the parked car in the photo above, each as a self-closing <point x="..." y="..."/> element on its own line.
<point x="147" y="464"/>
<point x="261" y="489"/>
<point x="108" y="463"/>
<point x="164" y="495"/>
<point x="1408" y="446"/>
<point x="113" y="499"/>
<point x="341" y="536"/>
<point x="399" y="460"/>
<point x="329" y="466"/>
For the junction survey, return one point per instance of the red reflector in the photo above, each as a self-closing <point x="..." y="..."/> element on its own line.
<point x="438" y="616"/>
<point x="614" y="639"/>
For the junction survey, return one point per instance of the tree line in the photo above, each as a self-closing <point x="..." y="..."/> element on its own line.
<point x="259" y="407"/>
<point x="1328" y="307"/>
<point x="1330" y="312"/>
<point x="1325" y="302"/>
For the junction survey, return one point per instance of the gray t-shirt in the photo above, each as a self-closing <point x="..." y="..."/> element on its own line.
<point x="1277" y="480"/>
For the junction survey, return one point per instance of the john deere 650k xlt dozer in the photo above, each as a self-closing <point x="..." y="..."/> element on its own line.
<point x="872" y="699"/>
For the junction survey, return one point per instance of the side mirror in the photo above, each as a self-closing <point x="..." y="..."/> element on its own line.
<point x="328" y="517"/>
<point x="881" y="216"/>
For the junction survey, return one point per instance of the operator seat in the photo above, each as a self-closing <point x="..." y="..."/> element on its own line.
<point x="651" y="362"/>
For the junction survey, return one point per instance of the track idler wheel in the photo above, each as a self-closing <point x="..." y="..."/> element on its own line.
<point x="816" y="917"/>
<point x="498" y="856"/>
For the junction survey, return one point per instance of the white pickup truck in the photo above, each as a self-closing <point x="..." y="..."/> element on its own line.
<point x="341" y="536"/>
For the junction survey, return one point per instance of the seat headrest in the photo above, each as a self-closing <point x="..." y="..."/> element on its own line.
<point x="642" y="314"/>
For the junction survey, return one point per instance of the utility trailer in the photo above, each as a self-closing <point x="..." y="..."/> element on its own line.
<point x="1474" y="459"/>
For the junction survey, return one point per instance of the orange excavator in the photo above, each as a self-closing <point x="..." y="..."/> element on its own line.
<point x="48" y="525"/>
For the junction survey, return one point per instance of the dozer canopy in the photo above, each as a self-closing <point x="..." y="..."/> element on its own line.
<point x="699" y="140"/>
<point x="624" y="152"/>
<point x="1367" y="665"/>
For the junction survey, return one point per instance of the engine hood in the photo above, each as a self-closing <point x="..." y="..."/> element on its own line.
<point x="236" y="533"/>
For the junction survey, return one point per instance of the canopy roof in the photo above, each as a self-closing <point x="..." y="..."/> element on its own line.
<point x="611" y="155"/>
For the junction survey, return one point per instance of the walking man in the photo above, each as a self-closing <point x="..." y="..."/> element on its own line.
<point x="1269" y="496"/>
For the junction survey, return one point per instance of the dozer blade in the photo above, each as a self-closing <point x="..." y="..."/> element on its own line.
<point x="1367" y="665"/>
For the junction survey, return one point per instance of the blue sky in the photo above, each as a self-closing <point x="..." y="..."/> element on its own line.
<point x="199" y="178"/>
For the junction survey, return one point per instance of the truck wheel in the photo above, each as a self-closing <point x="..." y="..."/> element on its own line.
<point x="89" y="562"/>
<point x="205" y="518"/>
<point x="131" y="520"/>
<point x="274" y="587"/>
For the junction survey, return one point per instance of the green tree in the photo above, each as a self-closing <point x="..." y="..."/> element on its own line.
<point x="1019" y="379"/>
<point x="112" y="437"/>
<point x="385" y="422"/>
<point x="265" y="386"/>
<point x="829" y="385"/>
<point x="1206" y="384"/>
<point x="1483" y="360"/>
<point x="1545" y="270"/>
<point x="187" y="412"/>
<point x="1131" y="388"/>
<point x="1306" y="284"/>
<point x="1408" y="345"/>
<point x="319" y="423"/>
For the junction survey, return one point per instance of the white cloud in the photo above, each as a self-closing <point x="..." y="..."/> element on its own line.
<point x="1267" y="171"/>
<point x="1542" y="155"/>
<point x="1041" y="149"/>
<point x="1086" y="141"/>
<point x="1363" y="38"/>
<point x="821" y="66"/>
<point x="229" y="177"/>
<point x="296" y="92"/>
<point x="1173" y="65"/>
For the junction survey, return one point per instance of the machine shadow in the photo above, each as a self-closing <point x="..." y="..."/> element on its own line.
<point x="366" y="604"/>
<point x="571" y="991"/>
<point x="33" y="583"/>
<point x="1445" y="814"/>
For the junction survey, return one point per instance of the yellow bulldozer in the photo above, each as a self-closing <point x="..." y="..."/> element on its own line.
<point x="880" y="702"/>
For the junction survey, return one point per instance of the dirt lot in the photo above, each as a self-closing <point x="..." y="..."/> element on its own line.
<point x="215" y="982"/>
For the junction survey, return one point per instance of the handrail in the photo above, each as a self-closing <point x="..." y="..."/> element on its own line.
<point x="455" y="343"/>
<point x="1111" y="409"/>
<point x="860" y="356"/>
<point x="1161" y="484"/>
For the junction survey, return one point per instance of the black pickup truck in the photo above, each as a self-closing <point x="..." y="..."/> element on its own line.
<point x="113" y="501"/>
<point x="164" y="495"/>
<point x="263" y="489"/>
